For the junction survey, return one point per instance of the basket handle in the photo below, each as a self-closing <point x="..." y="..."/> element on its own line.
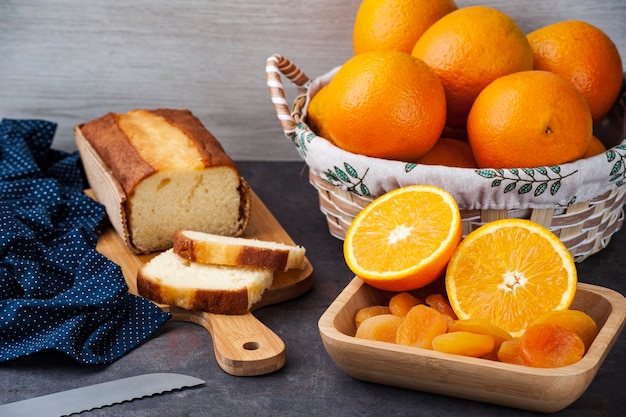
<point x="275" y="66"/>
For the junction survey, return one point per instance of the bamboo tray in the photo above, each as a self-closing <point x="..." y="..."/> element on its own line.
<point x="534" y="389"/>
<point x="242" y="344"/>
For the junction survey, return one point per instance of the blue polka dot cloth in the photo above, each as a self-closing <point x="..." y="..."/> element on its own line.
<point x="56" y="291"/>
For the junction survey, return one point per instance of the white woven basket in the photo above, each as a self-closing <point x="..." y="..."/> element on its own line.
<point x="581" y="202"/>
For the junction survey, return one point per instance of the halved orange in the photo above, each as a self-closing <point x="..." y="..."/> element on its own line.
<point x="510" y="272"/>
<point x="404" y="239"/>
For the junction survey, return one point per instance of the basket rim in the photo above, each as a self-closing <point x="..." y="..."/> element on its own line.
<point x="585" y="228"/>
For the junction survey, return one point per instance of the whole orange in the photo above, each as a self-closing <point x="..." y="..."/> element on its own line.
<point x="584" y="55"/>
<point x="469" y="48"/>
<point x="528" y="119"/>
<point x="315" y="114"/>
<point x="450" y="152"/>
<point x="596" y="147"/>
<point x="395" y="24"/>
<point x="384" y="104"/>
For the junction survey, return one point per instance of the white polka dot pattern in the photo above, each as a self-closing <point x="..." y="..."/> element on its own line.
<point x="56" y="291"/>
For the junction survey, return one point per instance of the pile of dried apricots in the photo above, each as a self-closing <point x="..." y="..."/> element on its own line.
<point x="557" y="338"/>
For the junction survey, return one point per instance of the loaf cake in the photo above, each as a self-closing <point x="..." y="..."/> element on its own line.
<point x="169" y="279"/>
<point x="157" y="171"/>
<point x="208" y="248"/>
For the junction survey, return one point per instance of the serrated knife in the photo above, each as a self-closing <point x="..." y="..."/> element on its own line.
<point x="99" y="395"/>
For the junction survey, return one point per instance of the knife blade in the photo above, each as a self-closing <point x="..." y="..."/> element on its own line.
<point x="98" y="395"/>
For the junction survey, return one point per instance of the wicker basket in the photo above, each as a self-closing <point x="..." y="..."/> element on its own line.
<point x="585" y="225"/>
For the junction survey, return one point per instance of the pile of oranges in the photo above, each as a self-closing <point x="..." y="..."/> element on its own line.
<point x="427" y="75"/>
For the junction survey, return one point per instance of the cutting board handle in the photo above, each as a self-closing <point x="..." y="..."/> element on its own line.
<point x="243" y="345"/>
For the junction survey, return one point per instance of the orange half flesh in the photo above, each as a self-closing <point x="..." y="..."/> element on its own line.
<point x="510" y="272"/>
<point x="404" y="239"/>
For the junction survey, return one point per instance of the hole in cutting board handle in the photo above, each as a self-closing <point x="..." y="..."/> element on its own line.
<point x="251" y="345"/>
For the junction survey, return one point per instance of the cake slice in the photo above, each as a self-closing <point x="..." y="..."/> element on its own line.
<point x="210" y="248"/>
<point x="169" y="279"/>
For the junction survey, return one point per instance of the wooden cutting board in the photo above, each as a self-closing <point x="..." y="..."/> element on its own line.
<point x="243" y="345"/>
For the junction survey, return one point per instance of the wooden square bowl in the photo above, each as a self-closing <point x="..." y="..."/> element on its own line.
<point x="535" y="389"/>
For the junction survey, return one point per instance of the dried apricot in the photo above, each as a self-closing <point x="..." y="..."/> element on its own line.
<point x="420" y="326"/>
<point x="369" y="311"/>
<point x="509" y="352"/>
<point x="440" y="304"/>
<point x="577" y="321"/>
<point x="449" y="320"/>
<point x="382" y="328"/>
<point x="547" y="345"/>
<point x="481" y="326"/>
<point x="401" y="303"/>
<point x="463" y="343"/>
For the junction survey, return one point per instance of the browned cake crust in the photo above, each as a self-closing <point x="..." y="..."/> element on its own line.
<point x="246" y="206"/>
<point x="127" y="166"/>
<point x="116" y="151"/>
<point x="185" y="247"/>
<point x="210" y="301"/>
<point x="209" y="147"/>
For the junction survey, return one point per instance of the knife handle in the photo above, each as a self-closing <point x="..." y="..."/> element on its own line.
<point x="243" y="345"/>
